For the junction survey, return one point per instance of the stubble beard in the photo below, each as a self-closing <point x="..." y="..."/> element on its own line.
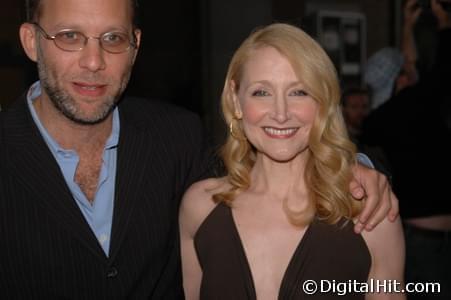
<point x="66" y="104"/>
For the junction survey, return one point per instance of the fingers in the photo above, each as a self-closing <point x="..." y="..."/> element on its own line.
<point x="358" y="227"/>
<point x="416" y="14"/>
<point x="374" y="190"/>
<point x="358" y="193"/>
<point x="436" y="7"/>
<point x="394" y="211"/>
<point x="442" y="16"/>
<point x="356" y="189"/>
<point x="369" y="182"/>
<point x="383" y="207"/>
<point x="411" y="12"/>
<point x="369" y="206"/>
<point x="380" y="203"/>
<point x="409" y="5"/>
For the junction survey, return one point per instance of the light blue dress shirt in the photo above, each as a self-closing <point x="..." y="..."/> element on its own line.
<point x="99" y="214"/>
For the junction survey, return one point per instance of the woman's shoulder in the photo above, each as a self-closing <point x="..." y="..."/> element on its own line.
<point x="385" y="235"/>
<point x="201" y="191"/>
<point x="197" y="203"/>
<point x="386" y="246"/>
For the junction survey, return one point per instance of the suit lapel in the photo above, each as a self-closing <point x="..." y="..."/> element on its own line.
<point x="132" y="157"/>
<point x="33" y="164"/>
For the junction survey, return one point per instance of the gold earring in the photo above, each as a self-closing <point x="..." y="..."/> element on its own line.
<point x="231" y="130"/>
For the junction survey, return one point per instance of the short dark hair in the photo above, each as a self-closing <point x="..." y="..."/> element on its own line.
<point x="32" y="9"/>
<point x="354" y="90"/>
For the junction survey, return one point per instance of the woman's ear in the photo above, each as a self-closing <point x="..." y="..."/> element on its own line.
<point x="28" y="38"/>
<point x="238" y="113"/>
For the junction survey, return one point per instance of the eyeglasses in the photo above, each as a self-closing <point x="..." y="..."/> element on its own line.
<point x="72" y="40"/>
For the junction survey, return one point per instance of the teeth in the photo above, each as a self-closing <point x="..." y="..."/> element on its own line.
<point x="274" y="131"/>
<point x="90" y="88"/>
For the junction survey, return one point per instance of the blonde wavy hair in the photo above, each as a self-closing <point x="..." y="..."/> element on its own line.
<point x="332" y="154"/>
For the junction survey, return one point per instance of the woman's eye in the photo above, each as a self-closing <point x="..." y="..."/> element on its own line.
<point x="260" y="93"/>
<point x="298" y="93"/>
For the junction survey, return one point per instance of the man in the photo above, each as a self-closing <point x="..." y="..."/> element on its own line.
<point x="355" y="107"/>
<point x="90" y="183"/>
<point x="411" y="129"/>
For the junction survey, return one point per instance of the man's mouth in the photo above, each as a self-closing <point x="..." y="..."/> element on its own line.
<point x="89" y="89"/>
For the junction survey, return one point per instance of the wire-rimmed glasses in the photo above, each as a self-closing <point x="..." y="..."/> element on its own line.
<point x="73" y="40"/>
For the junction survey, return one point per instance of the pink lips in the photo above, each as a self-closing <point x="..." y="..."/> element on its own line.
<point x="89" y="89"/>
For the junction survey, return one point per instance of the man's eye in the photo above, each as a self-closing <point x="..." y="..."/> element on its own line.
<point x="260" y="93"/>
<point x="114" y="38"/>
<point x="298" y="93"/>
<point x="69" y="36"/>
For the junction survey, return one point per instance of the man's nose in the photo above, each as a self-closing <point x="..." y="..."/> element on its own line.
<point x="92" y="56"/>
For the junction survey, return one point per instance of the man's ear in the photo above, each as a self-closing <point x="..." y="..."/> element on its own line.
<point x="238" y="113"/>
<point x="137" y="33"/>
<point x="28" y="38"/>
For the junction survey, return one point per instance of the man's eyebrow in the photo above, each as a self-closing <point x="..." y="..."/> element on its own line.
<point x="78" y="27"/>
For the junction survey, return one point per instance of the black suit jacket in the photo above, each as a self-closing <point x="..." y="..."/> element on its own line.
<point x="412" y="130"/>
<point x="47" y="250"/>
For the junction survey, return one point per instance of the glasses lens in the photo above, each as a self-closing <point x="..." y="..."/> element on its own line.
<point x="70" y="40"/>
<point x="115" y="42"/>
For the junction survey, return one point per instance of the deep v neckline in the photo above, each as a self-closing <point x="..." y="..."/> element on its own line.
<point x="245" y="261"/>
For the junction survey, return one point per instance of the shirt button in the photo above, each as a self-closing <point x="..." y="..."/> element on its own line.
<point x="112" y="272"/>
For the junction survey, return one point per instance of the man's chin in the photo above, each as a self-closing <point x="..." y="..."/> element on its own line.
<point x="87" y="119"/>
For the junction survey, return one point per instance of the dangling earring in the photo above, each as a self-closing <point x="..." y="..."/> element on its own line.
<point x="231" y="130"/>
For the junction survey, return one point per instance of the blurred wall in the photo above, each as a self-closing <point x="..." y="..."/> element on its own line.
<point x="187" y="45"/>
<point x="225" y="24"/>
<point x="13" y="65"/>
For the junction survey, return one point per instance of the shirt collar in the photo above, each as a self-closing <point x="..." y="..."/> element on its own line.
<point x="35" y="91"/>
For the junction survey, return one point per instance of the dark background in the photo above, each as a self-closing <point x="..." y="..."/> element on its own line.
<point x="187" y="44"/>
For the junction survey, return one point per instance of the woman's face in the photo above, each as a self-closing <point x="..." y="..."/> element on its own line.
<point x="277" y="111"/>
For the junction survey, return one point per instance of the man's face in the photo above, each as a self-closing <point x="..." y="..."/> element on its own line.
<point x="84" y="85"/>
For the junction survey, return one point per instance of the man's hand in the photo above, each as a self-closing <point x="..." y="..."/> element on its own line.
<point x="443" y="18"/>
<point x="373" y="188"/>
<point x="411" y="13"/>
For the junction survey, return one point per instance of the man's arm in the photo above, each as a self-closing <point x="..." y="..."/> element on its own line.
<point x="408" y="45"/>
<point x="379" y="201"/>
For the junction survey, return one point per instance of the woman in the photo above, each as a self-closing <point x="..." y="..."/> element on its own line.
<point x="283" y="213"/>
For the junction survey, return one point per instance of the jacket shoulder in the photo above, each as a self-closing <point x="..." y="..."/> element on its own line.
<point x="148" y="112"/>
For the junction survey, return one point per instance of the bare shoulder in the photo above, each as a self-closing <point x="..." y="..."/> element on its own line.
<point x="387" y="248"/>
<point x="197" y="203"/>
<point x="200" y="193"/>
<point x="384" y="236"/>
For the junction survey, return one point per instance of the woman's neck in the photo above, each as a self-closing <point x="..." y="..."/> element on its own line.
<point x="279" y="180"/>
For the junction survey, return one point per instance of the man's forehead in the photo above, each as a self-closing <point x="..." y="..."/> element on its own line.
<point x="82" y="10"/>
